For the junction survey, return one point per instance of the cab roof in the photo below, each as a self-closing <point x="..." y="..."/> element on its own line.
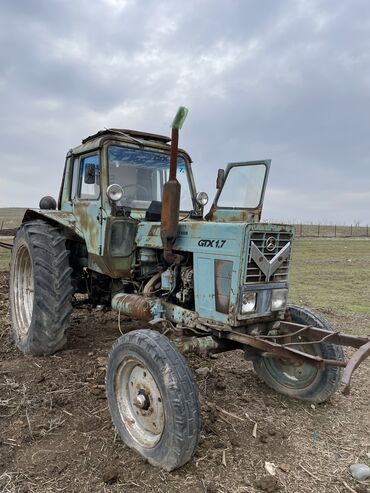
<point x="125" y="132"/>
<point x="125" y="136"/>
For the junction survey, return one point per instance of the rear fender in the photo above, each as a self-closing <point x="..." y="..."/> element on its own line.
<point x="65" y="219"/>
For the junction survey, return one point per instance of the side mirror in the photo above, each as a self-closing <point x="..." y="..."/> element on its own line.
<point x="89" y="173"/>
<point x="220" y="178"/>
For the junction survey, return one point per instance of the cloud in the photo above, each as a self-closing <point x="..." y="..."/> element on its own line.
<point x="285" y="80"/>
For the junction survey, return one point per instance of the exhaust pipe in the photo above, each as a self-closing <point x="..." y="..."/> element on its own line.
<point x="171" y="194"/>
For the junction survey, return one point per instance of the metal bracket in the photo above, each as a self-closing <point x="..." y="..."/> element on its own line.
<point x="268" y="348"/>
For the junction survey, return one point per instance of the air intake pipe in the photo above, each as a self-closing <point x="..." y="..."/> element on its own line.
<point x="171" y="194"/>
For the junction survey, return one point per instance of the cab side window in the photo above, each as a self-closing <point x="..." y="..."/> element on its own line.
<point x="89" y="177"/>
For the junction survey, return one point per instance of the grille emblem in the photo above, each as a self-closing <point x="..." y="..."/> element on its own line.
<point x="270" y="244"/>
<point x="268" y="267"/>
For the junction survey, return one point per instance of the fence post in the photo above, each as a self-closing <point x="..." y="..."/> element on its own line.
<point x="318" y="230"/>
<point x="301" y="230"/>
<point x="351" y="231"/>
<point x="335" y="230"/>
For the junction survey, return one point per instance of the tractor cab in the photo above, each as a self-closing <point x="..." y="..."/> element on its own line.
<point x="137" y="166"/>
<point x="114" y="180"/>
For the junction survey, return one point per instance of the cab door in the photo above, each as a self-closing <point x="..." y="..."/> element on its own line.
<point x="87" y="200"/>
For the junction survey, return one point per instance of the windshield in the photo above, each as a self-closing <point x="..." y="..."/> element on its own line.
<point x="243" y="187"/>
<point x="143" y="173"/>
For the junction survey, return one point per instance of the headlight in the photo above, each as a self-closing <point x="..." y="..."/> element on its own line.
<point x="249" y="301"/>
<point x="278" y="299"/>
<point x="115" y="192"/>
<point x="202" y="198"/>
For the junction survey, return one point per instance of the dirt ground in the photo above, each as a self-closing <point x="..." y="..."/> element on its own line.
<point x="56" y="433"/>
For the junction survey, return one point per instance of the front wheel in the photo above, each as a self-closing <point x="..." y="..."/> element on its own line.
<point x="153" y="398"/>
<point x="297" y="379"/>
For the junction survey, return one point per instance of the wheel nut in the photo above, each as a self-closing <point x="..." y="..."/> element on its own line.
<point x="140" y="401"/>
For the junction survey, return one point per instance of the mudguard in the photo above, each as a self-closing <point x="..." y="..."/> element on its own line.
<point x="66" y="219"/>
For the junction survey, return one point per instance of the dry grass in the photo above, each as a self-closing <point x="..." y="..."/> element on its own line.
<point x="332" y="275"/>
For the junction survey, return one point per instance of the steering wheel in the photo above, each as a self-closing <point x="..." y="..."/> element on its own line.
<point x="130" y="185"/>
<point x="134" y="185"/>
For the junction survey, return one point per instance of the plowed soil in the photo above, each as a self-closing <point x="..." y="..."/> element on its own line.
<point x="56" y="433"/>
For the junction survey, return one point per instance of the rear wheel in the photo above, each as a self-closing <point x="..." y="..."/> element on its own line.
<point x="40" y="288"/>
<point x="153" y="398"/>
<point x="297" y="379"/>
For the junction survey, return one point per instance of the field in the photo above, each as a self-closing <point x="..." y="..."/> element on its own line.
<point x="56" y="433"/>
<point x="10" y="217"/>
<point x="332" y="275"/>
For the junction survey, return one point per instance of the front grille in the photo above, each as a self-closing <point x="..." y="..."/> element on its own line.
<point x="254" y="274"/>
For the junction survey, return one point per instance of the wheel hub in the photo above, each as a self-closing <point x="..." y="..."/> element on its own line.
<point x="23" y="290"/>
<point x="140" y="403"/>
<point x="292" y="373"/>
<point x="142" y="400"/>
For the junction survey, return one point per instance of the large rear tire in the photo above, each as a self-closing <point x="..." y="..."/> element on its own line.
<point x="153" y="398"/>
<point x="299" y="380"/>
<point x="40" y="288"/>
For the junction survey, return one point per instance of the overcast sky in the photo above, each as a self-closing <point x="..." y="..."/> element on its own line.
<point x="286" y="79"/>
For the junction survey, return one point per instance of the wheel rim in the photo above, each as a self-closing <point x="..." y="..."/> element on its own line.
<point x="139" y="402"/>
<point x="294" y="375"/>
<point x="23" y="290"/>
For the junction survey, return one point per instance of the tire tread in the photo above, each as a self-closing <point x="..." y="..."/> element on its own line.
<point x="52" y="305"/>
<point x="182" y="390"/>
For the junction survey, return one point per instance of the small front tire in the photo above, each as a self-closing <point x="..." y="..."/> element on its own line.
<point x="153" y="398"/>
<point x="300" y="380"/>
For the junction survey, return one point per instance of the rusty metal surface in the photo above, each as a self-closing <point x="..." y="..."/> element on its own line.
<point x="315" y="334"/>
<point x="86" y="213"/>
<point x="269" y="348"/>
<point x="133" y="133"/>
<point x="244" y="216"/>
<point x="151" y="308"/>
<point x="360" y="355"/>
<point x="279" y="351"/>
<point x="66" y="219"/>
<point x="133" y="305"/>
<point x="171" y="204"/>
<point x="170" y="219"/>
<point x="199" y="345"/>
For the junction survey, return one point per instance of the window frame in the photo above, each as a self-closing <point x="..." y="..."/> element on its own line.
<point x="230" y="166"/>
<point x="80" y="158"/>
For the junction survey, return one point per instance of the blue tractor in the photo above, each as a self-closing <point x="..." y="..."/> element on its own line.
<point x="129" y="232"/>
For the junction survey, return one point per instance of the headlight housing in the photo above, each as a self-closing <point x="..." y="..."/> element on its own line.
<point x="202" y="198"/>
<point x="279" y="299"/>
<point x="115" y="192"/>
<point x="249" y="299"/>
